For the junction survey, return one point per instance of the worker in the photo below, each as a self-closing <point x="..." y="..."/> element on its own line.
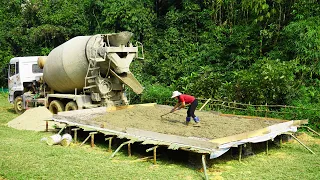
<point x="184" y="99"/>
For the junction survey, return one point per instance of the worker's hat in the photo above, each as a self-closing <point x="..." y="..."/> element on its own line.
<point x="175" y="94"/>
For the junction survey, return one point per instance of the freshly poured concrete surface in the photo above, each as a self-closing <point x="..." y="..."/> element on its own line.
<point x="148" y="118"/>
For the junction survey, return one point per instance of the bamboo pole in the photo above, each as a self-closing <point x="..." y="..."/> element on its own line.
<point x="205" y="104"/>
<point x="47" y="126"/>
<point x="62" y="129"/>
<point x="266" y="114"/>
<point x="115" y="152"/>
<point x="129" y="149"/>
<point x="302" y="143"/>
<point x="110" y="143"/>
<point x="267" y="147"/>
<point x="85" y="140"/>
<point x="75" y="136"/>
<point x="154" y="153"/>
<point x="92" y="138"/>
<point x="204" y="166"/>
<point x="311" y="130"/>
<point x="240" y="153"/>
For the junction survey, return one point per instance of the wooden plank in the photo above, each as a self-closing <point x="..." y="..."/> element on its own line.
<point x="172" y="139"/>
<point x="255" y="133"/>
<point x="241" y="136"/>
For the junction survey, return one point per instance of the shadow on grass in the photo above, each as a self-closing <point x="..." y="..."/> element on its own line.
<point x="11" y="110"/>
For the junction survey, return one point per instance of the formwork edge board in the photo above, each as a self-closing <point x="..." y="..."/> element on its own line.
<point x="107" y="133"/>
<point x="88" y="126"/>
<point x="259" y="132"/>
<point x="172" y="138"/>
<point x="122" y="135"/>
<point x="196" y="150"/>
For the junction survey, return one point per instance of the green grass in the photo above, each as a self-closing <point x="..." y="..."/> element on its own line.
<point x="24" y="156"/>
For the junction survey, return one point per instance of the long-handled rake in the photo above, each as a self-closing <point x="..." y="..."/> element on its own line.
<point x="164" y="114"/>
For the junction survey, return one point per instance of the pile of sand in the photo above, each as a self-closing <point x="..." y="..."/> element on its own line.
<point x="32" y="119"/>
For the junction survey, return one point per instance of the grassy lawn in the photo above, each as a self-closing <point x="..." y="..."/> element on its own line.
<point x="24" y="156"/>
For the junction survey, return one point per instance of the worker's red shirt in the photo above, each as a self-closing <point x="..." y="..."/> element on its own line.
<point x="186" y="98"/>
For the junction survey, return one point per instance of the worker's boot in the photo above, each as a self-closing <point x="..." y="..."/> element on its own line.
<point x="188" y="120"/>
<point x="197" y="121"/>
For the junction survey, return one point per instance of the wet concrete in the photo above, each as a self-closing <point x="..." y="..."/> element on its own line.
<point x="212" y="125"/>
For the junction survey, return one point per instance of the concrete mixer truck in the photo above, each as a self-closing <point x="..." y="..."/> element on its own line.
<point x="84" y="72"/>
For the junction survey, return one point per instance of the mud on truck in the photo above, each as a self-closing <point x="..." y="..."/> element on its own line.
<point x="84" y="72"/>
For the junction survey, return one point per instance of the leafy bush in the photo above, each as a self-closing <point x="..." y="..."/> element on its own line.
<point x="156" y="93"/>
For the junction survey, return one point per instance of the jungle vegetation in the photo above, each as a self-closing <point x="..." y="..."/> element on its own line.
<point x="249" y="51"/>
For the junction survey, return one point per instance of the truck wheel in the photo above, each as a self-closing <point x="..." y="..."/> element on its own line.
<point x="56" y="106"/>
<point x="18" y="105"/>
<point x="71" y="106"/>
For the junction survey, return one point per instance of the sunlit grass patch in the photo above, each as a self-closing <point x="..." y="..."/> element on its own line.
<point x="24" y="156"/>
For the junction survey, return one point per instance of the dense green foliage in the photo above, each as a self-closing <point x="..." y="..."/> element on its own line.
<point x="24" y="156"/>
<point x="257" y="51"/>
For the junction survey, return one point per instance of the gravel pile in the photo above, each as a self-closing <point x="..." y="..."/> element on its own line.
<point x="32" y="119"/>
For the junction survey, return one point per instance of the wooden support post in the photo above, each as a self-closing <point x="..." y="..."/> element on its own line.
<point x="75" y="134"/>
<point x="280" y="142"/>
<point x="110" y="143"/>
<point x="240" y="153"/>
<point x="92" y="138"/>
<point x="302" y="143"/>
<point x="204" y="166"/>
<point x="267" y="147"/>
<point x="204" y="104"/>
<point x="69" y="129"/>
<point x="311" y="130"/>
<point x="266" y="114"/>
<point x="47" y="126"/>
<point x="154" y="154"/>
<point x="113" y="154"/>
<point x="62" y="129"/>
<point x="85" y="140"/>
<point x="129" y="149"/>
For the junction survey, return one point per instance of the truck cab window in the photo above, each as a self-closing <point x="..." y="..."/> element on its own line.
<point x="36" y="69"/>
<point x="17" y="67"/>
<point x="12" y="70"/>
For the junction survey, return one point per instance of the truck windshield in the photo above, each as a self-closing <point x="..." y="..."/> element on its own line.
<point x="12" y="70"/>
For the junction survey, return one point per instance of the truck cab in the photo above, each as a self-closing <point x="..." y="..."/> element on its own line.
<point x="23" y="73"/>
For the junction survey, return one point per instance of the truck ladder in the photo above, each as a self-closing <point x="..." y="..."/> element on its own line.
<point x="92" y="73"/>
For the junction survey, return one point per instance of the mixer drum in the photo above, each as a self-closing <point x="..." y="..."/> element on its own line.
<point x="66" y="65"/>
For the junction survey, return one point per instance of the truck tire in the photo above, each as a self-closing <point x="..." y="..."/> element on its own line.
<point x="56" y="106"/>
<point x="71" y="106"/>
<point x="18" y="105"/>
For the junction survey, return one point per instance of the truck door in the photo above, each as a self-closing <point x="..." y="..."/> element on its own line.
<point x="14" y="83"/>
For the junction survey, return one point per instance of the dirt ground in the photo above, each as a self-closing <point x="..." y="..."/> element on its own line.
<point x="212" y="125"/>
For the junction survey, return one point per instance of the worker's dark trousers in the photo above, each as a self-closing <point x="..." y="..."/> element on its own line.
<point x="192" y="108"/>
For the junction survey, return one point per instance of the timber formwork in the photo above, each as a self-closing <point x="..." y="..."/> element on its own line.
<point x="212" y="147"/>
